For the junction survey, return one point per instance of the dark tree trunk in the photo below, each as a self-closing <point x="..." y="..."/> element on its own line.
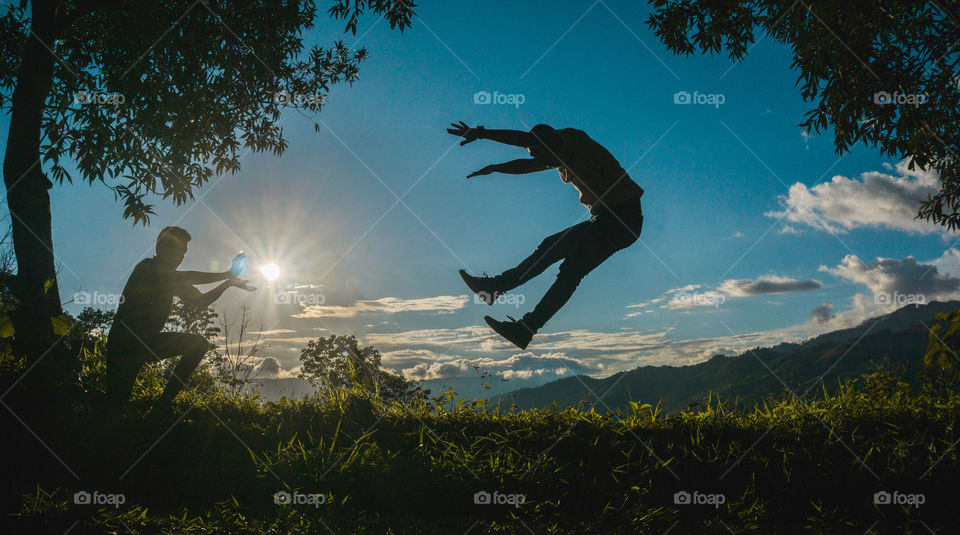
<point x="35" y="285"/>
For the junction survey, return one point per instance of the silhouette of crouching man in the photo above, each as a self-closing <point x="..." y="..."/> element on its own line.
<point x="137" y="336"/>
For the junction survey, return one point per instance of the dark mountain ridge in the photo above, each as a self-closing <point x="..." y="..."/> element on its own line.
<point x="896" y="338"/>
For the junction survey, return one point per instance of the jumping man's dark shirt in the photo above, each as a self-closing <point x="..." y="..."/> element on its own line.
<point x="595" y="173"/>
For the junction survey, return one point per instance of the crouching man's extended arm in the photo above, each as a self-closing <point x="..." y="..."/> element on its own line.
<point x="202" y="300"/>
<point x="201" y="277"/>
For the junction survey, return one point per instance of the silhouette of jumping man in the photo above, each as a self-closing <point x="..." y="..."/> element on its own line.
<point x="136" y="336"/>
<point x="612" y="198"/>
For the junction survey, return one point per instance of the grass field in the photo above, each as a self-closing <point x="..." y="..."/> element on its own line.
<point x="356" y="464"/>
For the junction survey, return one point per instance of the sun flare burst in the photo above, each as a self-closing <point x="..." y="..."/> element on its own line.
<point x="271" y="271"/>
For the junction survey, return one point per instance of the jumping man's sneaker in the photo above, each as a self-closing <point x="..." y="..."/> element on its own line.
<point x="484" y="287"/>
<point x="514" y="331"/>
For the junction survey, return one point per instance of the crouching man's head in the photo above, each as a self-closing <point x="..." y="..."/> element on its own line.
<point x="546" y="144"/>
<point x="171" y="246"/>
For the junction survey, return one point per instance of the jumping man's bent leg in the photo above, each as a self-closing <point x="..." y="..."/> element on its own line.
<point x="597" y="240"/>
<point x="550" y="251"/>
<point x="609" y="234"/>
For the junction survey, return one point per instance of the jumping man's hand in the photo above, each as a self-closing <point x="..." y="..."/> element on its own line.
<point x="485" y="171"/>
<point x="468" y="133"/>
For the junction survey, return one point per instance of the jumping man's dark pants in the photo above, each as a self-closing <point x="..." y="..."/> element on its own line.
<point x="582" y="247"/>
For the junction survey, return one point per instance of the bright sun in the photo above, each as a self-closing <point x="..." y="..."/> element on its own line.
<point x="271" y="271"/>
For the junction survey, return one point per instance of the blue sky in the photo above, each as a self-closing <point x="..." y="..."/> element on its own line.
<point x="716" y="180"/>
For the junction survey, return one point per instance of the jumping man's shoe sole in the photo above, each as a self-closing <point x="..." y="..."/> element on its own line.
<point x="488" y="296"/>
<point x="514" y="332"/>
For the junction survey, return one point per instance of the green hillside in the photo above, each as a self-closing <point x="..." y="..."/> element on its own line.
<point x="898" y="338"/>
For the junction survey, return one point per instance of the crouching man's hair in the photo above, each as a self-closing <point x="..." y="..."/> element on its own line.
<point x="172" y="235"/>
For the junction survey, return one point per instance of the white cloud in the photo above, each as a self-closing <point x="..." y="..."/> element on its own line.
<point x="406" y="357"/>
<point x="442" y="304"/>
<point x="822" y="313"/>
<point x="684" y="299"/>
<point x="292" y="344"/>
<point x="876" y="199"/>
<point x="892" y="277"/>
<point x="452" y="352"/>
<point x="712" y="351"/>
<point x="520" y="365"/>
<point x="687" y="288"/>
<point x="697" y="296"/>
<point x="268" y="368"/>
<point x="735" y="235"/>
<point x="638" y="312"/>
<point x="273" y="332"/>
<point x="422" y="354"/>
<point x="949" y="262"/>
<point x="766" y="284"/>
<point x="787" y="229"/>
<point x="893" y="283"/>
<point x="478" y="336"/>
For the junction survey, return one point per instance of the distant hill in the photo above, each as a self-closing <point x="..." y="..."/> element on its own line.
<point x="469" y="387"/>
<point x="473" y="387"/>
<point x="898" y="320"/>
<point x="753" y="375"/>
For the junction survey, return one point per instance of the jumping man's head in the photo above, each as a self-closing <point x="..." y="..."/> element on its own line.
<point x="171" y="246"/>
<point x="545" y="145"/>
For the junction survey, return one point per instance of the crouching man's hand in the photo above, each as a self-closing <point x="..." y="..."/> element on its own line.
<point x="243" y="284"/>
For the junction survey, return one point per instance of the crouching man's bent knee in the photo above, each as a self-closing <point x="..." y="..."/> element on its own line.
<point x="192" y="348"/>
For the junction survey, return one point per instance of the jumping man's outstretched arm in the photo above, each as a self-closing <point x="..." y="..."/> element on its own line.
<point x="514" y="167"/>
<point x="517" y="138"/>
